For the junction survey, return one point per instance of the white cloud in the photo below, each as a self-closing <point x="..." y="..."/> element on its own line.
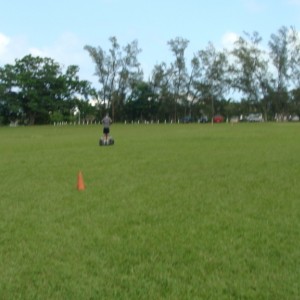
<point x="36" y="52"/>
<point x="66" y="50"/>
<point x="228" y="40"/>
<point x="12" y="48"/>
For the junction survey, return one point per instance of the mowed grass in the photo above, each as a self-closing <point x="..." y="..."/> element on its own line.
<point x="169" y="212"/>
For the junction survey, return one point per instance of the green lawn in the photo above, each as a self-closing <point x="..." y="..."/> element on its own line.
<point x="169" y="212"/>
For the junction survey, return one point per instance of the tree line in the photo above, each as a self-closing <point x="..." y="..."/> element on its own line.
<point x="37" y="90"/>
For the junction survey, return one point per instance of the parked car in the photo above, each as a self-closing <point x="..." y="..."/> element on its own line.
<point x="218" y="119"/>
<point x="234" y="119"/>
<point x="294" y="118"/>
<point x="203" y="119"/>
<point x="187" y="119"/>
<point x="255" y="118"/>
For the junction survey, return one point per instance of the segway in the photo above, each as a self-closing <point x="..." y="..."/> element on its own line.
<point x="106" y="142"/>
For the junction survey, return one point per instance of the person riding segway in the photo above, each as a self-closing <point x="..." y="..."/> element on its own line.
<point x="106" y="139"/>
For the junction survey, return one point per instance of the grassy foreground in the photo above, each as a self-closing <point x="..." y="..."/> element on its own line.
<point x="169" y="212"/>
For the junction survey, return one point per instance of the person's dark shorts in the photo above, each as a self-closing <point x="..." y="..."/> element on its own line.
<point x="106" y="130"/>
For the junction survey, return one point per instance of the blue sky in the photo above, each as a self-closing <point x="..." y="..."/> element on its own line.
<point x="60" y="29"/>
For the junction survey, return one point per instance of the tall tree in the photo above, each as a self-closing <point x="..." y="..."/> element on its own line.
<point x="106" y="68"/>
<point x="10" y="107"/>
<point x="295" y="71"/>
<point x="214" y="80"/>
<point x="160" y="82"/>
<point x="116" y="71"/>
<point x="294" y="42"/>
<point x="192" y="86"/>
<point x="250" y="69"/>
<point x="281" y="58"/>
<point x="130" y="74"/>
<point x="178" y="71"/>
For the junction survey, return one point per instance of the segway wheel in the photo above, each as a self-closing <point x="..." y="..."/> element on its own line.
<point x="109" y="142"/>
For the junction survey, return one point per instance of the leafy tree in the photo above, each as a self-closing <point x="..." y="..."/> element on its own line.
<point x="36" y="90"/>
<point x="192" y="84"/>
<point x="214" y="81"/>
<point x="294" y="43"/>
<point x="130" y="74"/>
<point x="9" y="102"/>
<point x="250" y="69"/>
<point x="294" y="98"/>
<point x="281" y="59"/>
<point x="107" y="68"/>
<point x="116" y="71"/>
<point x="295" y="102"/>
<point x="35" y="78"/>
<point x="160" y="82"/>
<point x="35" y="87"/>
<point x="141" y="104"/>
<point x="178" y="71"/>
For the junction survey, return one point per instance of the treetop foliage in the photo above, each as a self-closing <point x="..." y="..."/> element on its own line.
<point x="36" y="90"/>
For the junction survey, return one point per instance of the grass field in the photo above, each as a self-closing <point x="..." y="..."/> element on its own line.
<point x="169" y="212"/>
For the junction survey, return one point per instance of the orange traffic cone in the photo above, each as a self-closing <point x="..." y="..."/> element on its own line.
<point x="80" y="183"/>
